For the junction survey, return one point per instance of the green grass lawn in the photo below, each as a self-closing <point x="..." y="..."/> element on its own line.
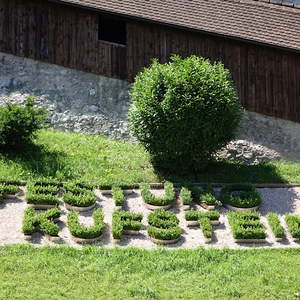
<point x="98" y="159"/>
<point x="95" y="273"/>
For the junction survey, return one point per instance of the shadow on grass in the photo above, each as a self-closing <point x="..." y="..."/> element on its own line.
<point x="37" y="160"/>
<point x="228" y="172"/>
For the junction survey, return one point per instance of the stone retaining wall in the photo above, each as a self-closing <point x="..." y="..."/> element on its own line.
<point x="84" y="102"/>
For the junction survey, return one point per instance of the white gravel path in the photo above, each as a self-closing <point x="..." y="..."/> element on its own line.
<point x="279" y="200"/>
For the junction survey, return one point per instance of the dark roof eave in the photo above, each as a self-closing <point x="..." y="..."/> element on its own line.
<point x="255" y="42"/>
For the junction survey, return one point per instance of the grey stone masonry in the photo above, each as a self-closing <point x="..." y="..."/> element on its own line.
<point x="75" y="100"/>
<point x="84" y="102"/>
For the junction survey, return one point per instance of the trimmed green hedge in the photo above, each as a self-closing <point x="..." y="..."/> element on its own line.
<point x="85" y="199"/>
<point x="163" y="225"/>
<point x="293" y="224"/>
<point x="10" y="182"/>
<point x="186" y="196"/>
<point x="9" y="189"/>
<point x="246" y="225"/>
<point x="168" y="198"/>
<point x="85" y="232"/>
<point x="206" y="227"/>
<point x="274" y="222"/>
<point x="248" y="195"/>
<point x="43" y="221"/>
<point x="204" y="194"/>
<point x="194" y="215"/>
<point x="204" y="219"/>
<point x="118" y="195"/>
<point x="43" y="189"/>
<point x="41" y="199"/>
<point x="47" y="182"/>
<point x="125" y="220"/>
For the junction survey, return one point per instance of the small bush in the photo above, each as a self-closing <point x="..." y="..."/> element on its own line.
<point x="84" y="232"/>
<point x="206" y="227"/>
<point x="81" y="200"/>
<point x="149" y="198"/>
<point x="185" y="196"/>
<point x="44" y="221"/>
<point x="193" y="215"/>
<point x="246" y="225"/>
<point x="46" y="182"/>
<point x="118" y="196"/>
<point x="18" y="124"/>
<point x="125" y="220"/>
<point x="248" y="195"/>
<point x="9" y="189"/>
<point x="184" y="111"/>
<point x="43" y="189"/>
<point x="204" y="194"/>
<point x="204" y="219"/>
<point x="78" y="187"/>
<point x="10" y="182"/>
<point x="41" y="199"/>
<point x="85" y="185"/>
<point x="293" y="224"/>
<point x="274" y="222"/>
<point x="163" y="225"/>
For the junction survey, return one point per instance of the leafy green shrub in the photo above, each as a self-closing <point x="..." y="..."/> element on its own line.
<point x="9" y="189"/>
<point x="10" y="182"/>
<point x="194" y="215"/>
<point x="84" y="185"/>
<point x="247" y="196"/>
<point x="125" y="220"/>
<point x="186" y="196"/>
<point x="206" y="227"/>
<point x="118" y="196"/>
<point x="81" y="200"/>
<point x="79" y="194"/>
<point x="122" y="186"/>
<point x="43" y="189"/>
<point x="18" y="124"/>
<point x="204" y="219"/>
<point x="44" y="221"/>
<point x="204" y="194"/>
<point x="84" y="232"/>
<point x="168" y="198"/>
<point x="246" y="225"/>
<point x="47" y="182"/>
<point x="293" y="224"/>
<point x="41" y="193"/>
<point x="41" y="199"/>
<point x="163" y="225"/>
<point x="184" y="111"/>
<point x="273" y="220"/>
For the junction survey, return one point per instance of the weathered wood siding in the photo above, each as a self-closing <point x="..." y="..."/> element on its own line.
<point x="60" y="35"/>
<point x="267" y="79"/>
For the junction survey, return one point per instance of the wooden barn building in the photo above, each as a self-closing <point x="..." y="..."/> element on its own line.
<point x="259" y="41"/>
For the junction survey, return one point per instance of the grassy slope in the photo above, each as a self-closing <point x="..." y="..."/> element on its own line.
<point x="93" y="158"/>
<point x="65" y="273"/>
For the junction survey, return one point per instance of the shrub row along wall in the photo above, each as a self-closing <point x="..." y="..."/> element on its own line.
<point x="85" y="102"/>
<point x="267" y="79"/>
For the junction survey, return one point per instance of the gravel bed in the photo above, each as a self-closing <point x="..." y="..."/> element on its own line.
<point x="279" y="200"/>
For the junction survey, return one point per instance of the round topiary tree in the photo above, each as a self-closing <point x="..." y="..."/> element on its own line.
<point x="184" y="111"/>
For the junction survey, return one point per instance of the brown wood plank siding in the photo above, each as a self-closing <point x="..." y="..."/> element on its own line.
<point x="60" y="35"/>
<point x="267" y="79"/>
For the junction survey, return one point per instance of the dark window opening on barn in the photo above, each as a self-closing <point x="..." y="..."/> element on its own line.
<point x="112" y="30"/>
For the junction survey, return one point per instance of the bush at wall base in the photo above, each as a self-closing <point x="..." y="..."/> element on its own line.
<point x="184" y="111"/>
